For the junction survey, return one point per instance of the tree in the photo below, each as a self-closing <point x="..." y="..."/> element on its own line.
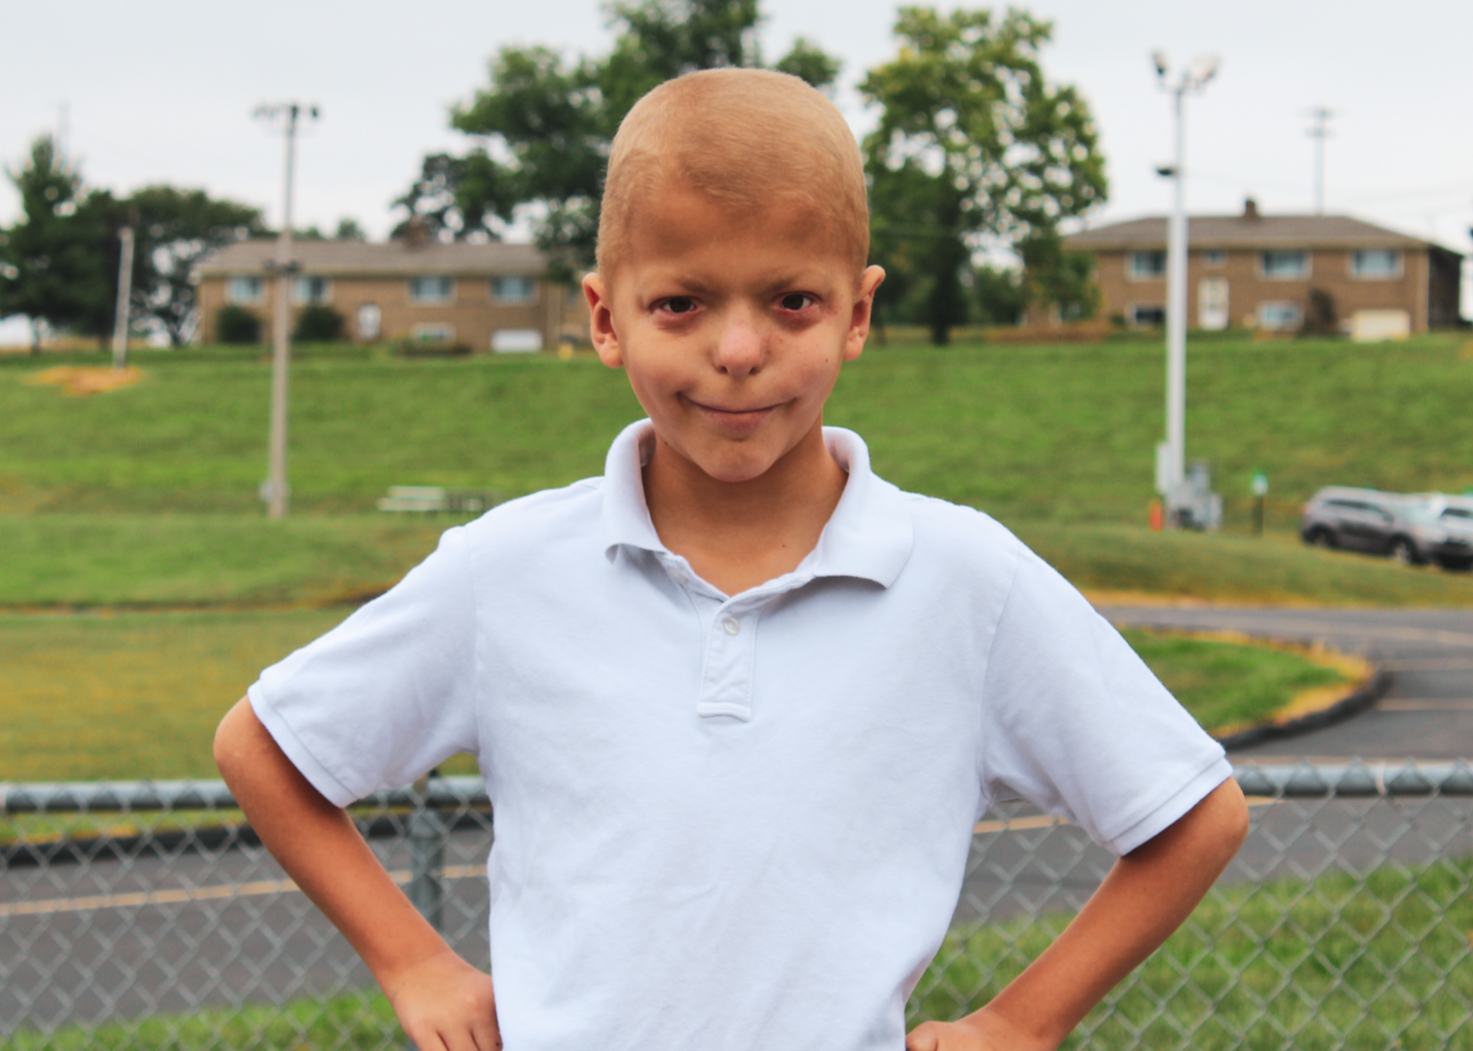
<point x="974" y="148"/>
<point x="349" y="230"/>
<point x="174" y="229"/>
<point x="61" y="256"/>
<point x="547" y="122"/>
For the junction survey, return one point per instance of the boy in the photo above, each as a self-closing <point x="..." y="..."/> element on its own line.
<point x="738" y="703"/>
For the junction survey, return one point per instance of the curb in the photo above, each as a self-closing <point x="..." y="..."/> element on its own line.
<point x="1359" y="701"/>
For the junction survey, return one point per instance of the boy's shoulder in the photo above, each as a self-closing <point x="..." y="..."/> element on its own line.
<point x="961" y="535"/>
<point x="568" y="511"/>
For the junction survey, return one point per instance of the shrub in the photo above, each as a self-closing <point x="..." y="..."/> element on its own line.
<point x="318" y="323"/>
<point x="236" y="324"/>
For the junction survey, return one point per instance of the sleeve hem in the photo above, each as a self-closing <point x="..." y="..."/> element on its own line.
<point x="1167" y="814"/>
<point x="333" y="790"/>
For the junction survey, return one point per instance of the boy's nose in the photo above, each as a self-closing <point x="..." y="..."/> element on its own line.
<point x="739" y="347"/>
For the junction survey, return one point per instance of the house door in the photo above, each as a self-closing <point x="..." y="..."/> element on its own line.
<point x="369" y="321"/>
<point x="1212" y="303"/>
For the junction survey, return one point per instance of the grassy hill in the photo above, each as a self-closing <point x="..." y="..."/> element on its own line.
<point x="147" y="495"/>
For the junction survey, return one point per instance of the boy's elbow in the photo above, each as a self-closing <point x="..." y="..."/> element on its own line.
<point x="230" y="739"/>
<point x="1231" y="816"/>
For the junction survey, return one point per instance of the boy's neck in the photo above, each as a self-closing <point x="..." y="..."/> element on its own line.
<point x="737" y="535"/>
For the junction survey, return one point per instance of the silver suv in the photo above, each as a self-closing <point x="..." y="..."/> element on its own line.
<point x="1427" y="527"/>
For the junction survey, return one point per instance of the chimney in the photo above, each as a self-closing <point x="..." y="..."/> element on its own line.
<point x="416" y="232"/>
<point x="1250" y="208"/>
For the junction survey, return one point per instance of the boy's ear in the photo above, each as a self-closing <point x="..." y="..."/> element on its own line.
<point x="864" y="304"/>
<point x="601" y="321"/>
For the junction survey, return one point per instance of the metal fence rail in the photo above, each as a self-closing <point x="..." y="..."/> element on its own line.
<point x="146" y="916"/>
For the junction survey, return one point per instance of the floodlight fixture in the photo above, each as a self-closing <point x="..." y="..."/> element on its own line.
<point x="1162" y="64"/>
<point x="1204" y="68"/>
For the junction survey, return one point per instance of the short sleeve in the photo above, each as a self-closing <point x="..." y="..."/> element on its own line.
<point x="387" y="694"/>
<point x="1075" y="723"/>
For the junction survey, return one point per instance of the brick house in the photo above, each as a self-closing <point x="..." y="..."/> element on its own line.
<point x="485" y="296"/>
<point x="1278" y="273"/>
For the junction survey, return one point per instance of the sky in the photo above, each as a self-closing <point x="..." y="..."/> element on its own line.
<point x="162" y="91"/>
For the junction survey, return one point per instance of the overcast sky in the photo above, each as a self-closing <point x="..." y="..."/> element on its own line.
<point x="161" y="91"/>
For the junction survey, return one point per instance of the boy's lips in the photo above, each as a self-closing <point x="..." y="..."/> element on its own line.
<point x="735" y="418"/>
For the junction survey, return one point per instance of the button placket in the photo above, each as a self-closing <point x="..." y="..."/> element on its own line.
<point x="726" y="678"/>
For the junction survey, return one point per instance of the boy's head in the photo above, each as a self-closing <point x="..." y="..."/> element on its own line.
<point x="732" y="279"/>
<point x="740" y="137"/>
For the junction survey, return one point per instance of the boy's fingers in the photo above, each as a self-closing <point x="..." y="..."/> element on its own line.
<point x="486" y="1034"/>
<point x="923" y="1038"/>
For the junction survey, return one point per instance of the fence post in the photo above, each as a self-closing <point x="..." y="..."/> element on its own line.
<point x="427" y="835"/>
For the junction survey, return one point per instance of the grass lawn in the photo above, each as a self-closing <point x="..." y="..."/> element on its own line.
<point x="147" y="495"/>
<point x="138" y="695"/>
<point x="1286" y="942"/>
<point x="1258" y="960"/>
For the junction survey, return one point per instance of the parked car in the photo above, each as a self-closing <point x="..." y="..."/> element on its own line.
<point x="1412" y="529"/>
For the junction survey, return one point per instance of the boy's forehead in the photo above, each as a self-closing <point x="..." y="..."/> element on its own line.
<point x="676" y="228"/>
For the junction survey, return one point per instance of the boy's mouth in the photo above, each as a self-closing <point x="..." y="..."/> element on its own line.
<point x="735" y="418"/>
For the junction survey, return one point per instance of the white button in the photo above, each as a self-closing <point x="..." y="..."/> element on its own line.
<point x="679" y="578"/>
<point x="732" y="625"/>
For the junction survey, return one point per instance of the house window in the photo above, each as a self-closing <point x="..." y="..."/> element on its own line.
<point x="1214" y="257"/>
<point x="244" y="290"/>
<point x="513" y="289"/>
<point x="430" y="289"/>
<point x="1376" y="262"/>
<point x="1148" y="315"/>
<point x="1147" y="264"/>
<point x="311" y="290"/>
<point x="1284" y="265"/>
<point x="433" y="334"/>
<point x="1280" y="317"/>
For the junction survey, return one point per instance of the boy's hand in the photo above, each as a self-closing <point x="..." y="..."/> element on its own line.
<point x="978" y="1032"/>
<point x="445" y="1004"/>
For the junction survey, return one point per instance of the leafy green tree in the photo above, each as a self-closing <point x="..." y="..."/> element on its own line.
<point x="349" y="230"/>
<point x="547" y="122"/>
<point x="175" y="228"/>
<point x="61" y="257"/>
<point x="974" y="146"/>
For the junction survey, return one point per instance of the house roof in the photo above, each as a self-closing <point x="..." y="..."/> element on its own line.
<point x="381" y="259"/>
<point x="1248" y="231"/>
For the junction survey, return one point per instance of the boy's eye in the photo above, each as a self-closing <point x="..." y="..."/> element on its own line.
<point x="680" y="304"/>
<point x="795" y="301"/>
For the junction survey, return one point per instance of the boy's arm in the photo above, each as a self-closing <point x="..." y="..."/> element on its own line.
<point x="443" y="1003"/>
<point x="1146" y="896"/>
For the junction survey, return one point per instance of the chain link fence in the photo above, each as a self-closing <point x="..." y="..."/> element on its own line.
<point x="146" y="916"/>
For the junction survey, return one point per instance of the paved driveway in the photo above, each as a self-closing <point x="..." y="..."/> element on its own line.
<point x="1426" y="714"/>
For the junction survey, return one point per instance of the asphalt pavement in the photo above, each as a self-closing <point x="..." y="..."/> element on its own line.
<point x="1427" y="713"/>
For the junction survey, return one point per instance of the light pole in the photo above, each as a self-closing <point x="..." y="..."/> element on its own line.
<point x="285" y="268"/>
<point x="1319" y="131"/>
<point x="1171" y="455"/>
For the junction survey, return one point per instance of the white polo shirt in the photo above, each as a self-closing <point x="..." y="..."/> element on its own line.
<point x="735" y="822"/>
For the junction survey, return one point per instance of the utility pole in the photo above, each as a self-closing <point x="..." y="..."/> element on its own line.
<point x="1171" y="455"/>
<point x="285" y="268"/>
<point x="125" y="291"/>
<point x="1319" y="131"/>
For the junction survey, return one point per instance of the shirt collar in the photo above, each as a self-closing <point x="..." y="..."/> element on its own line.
<point x="869" y="534"/>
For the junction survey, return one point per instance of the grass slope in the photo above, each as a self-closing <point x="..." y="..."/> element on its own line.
<point x="1048" y="433"/>
<point x="147" y="495"/>
<point x="134" y="696"/>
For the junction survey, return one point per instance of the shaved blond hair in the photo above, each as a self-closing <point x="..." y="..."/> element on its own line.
<point x="744" y="138"/>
